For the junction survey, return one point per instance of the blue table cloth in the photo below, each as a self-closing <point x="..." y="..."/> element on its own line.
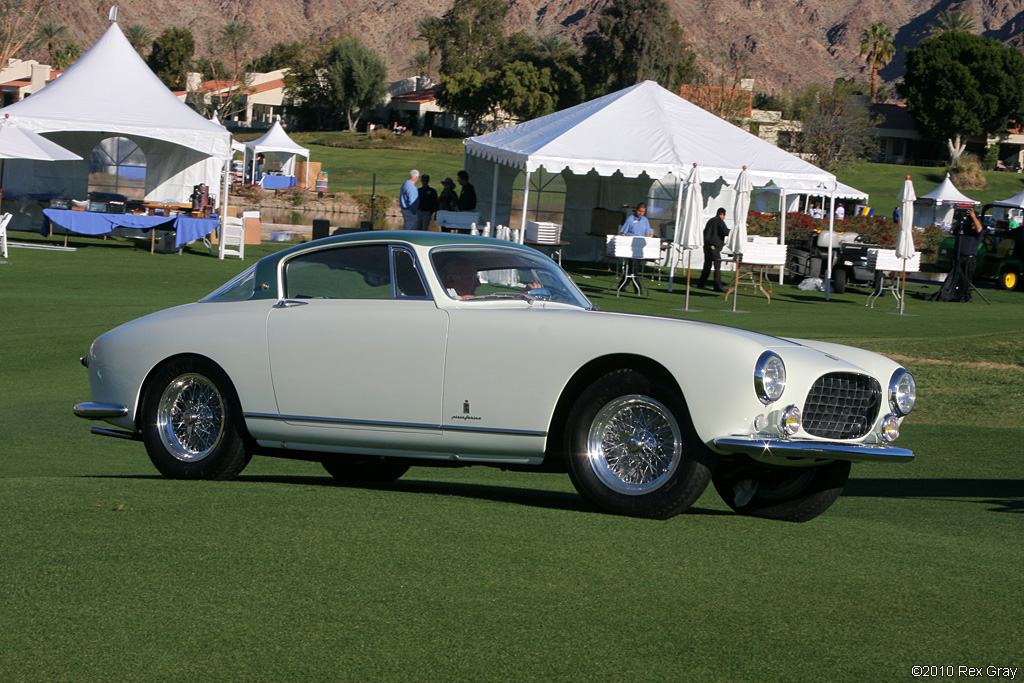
<point x="86" y="223"/>
<point x="278" y="182"/>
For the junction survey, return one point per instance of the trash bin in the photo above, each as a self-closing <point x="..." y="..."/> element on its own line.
<point x="321" y="228"/>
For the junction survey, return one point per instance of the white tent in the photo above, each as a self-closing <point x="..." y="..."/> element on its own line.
<point x="610" y="151"/>
<point x="1005" y="209"/>
<point x="767" y="199"/>
<point x="110" y="92"/>
<point x="936" y="207"/>
<point x="276" y="141"/>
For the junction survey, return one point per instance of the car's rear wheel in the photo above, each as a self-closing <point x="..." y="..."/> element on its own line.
<point x="792" y="494"/>
<point x="369" y="470"/>
<point x="632" y="449"/>
<point x="191" y="422"/>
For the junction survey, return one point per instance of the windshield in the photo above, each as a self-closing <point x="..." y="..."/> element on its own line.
<point x="482" y="273"/>
<point x="238" y="288"/>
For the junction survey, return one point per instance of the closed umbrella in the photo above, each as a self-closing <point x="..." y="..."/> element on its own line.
<point x="737" y="239"/>
<point x="21" y="143"/>
<point x="905" y="236"/>
<point x="689" y="234"/>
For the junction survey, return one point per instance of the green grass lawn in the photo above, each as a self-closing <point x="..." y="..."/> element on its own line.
<point x="109" y="572"/>
<point x="882" y="182"/>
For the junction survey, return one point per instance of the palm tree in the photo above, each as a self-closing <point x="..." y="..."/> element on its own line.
<point x="877" y="49"/>
<point x="48" y="32"/>
<point x="420" y="63"/>
<point x="235" y="38"/>
<point x="952" y="20"/>
<point x="555" y="46"/>
<point x="428" y="30"/>
<point x="139" y="36"/>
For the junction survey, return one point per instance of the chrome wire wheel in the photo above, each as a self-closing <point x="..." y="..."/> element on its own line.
<point x="634" y="444"/>
<point x="190" y="417"/>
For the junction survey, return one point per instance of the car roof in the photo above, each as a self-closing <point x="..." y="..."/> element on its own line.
<point x="266" y="267"/>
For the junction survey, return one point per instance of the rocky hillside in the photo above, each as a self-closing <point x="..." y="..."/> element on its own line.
<point x="786" y="43"/>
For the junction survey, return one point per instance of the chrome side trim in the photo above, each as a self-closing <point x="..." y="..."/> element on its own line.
<point x="99" y="411"/>
<point x="395" y="425"/>
<point x="854" y="452"/>
<point x="116" y="433"/>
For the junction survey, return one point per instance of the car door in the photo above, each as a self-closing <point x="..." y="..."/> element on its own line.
<point x="357" y="345"/>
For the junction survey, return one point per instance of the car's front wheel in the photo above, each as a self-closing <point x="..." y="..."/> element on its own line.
<point x="368" y="470"/>
<point x="191" y="422"/>
<point x="632" y="449"/>
<point x="792" y="494"/>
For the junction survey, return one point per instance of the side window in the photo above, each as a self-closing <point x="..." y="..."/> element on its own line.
<point x="361" y="272"/>
<point x="408" y="281"/>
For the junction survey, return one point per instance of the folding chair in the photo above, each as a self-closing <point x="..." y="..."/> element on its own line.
<point x="4" y="220"/>
<point x="232" y="238"/>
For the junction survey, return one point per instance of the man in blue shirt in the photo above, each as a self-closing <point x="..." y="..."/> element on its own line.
<point x="637" y="225"/>
<point x="409" y="202"/>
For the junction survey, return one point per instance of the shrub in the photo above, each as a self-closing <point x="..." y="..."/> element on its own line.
<point x="966" y="173"/>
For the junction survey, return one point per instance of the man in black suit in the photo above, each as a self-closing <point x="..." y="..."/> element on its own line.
<point x="715" y="232"/>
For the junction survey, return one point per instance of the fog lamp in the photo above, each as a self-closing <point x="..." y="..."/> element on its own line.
<point x="790" y="423"/>
<point x="890" y="428"/>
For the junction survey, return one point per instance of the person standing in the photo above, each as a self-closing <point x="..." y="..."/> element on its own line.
<point x="970" y="236"/>
<point x="817" y="212"/>
<point x="409" y="202"/>
<point x="467" y="198"/>
<point x="637" y="225"/>
<point x="715" y="232"/>
<point x="428" y="203"/>
<point x="840" y="212"/>
<point x="896" y="214"/>
<point x="448" y="201"/>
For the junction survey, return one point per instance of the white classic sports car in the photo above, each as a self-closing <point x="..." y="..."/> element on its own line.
<point x="376" y="351"/>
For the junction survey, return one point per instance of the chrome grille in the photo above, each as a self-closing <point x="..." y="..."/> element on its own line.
<point x="842" y="405"/>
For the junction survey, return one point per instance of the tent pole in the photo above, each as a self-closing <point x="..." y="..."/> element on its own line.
<point x="782" y="228"/>
<point x="494" y="196"/>
<point x="673" y="258"/>
<point x="831" y="238"/>
<point x="526" y="203"/>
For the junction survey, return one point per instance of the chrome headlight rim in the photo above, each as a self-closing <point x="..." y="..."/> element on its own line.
<point x="769" y="377"/>
<point x="902" y="392"/>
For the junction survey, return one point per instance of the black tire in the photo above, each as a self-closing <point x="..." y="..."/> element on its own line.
<point x="791" y="494"/>
<point x="1009" y="279"/>
<point x="632" y="450"/>
<point x="839" y="281"/>
<point x="368" y="470"/>
<point x="191" y="422"/>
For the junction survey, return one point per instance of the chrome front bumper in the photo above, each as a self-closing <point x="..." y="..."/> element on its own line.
<point x="99" y="411"/>
<point x="830" y="450"/>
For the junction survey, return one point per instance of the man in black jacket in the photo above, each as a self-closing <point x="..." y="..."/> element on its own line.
<point x="715" y="232"/>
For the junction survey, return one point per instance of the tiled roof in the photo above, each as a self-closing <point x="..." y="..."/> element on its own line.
<point x="418" y="96"/>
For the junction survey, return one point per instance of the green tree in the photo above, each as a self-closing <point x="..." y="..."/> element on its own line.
<point x="345" y="78"/>
<point x="234" y="43"/>
<point x="877" y="49"/>
<point x="307" y="91"/>
<point x="952" y="20"/>
<point x="636" y="40"/>
<point x="430" y="30"/>
<point x="66" y="56"/>
<point x="835" y="126"/>
<point x="280" y="56"/>
<point x="48" y="33"/>
<point x="959" y="85"/>
<point x="139" y="37"/>
<point x="471" y="36"/>
<point x="526" y="91"/>
<point x="419" y="63"/>
<point x="171" y="57"/>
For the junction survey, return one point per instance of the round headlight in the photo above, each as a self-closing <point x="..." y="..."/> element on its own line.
<point x="791" y="421"/>
<point x="769" y="377"/>
<point x="890" y="428"/>
<point x="902" y="392"/>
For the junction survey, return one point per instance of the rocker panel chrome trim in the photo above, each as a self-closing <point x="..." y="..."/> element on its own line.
<point x="395" y="425"/>
<point x="99" y="411"/>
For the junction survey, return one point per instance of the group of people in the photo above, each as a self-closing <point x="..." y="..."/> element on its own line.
<point x="419" y="204"/>
<point x="817" y="211"/>
<point x="715" y="232"/>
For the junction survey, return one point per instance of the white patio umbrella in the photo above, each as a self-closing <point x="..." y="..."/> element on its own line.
<point x="21" y="143"/>
<point x="689" y="233"/>
<point x="905" y="236"/>
<point x="737" y="239"/>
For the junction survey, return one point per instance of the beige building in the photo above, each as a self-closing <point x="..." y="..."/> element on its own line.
<point x="22" y="77"/>
<point x="261" y="103"/>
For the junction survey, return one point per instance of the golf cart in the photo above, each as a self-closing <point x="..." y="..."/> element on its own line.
<point x="806" y="256"/>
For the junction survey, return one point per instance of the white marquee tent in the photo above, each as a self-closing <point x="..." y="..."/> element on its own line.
<point x="276" y="140"/>
<point x="111" y="92"/>
<point x="936" y="207"/>
<point x="767" y="199"/>
<point x="611" y="150"/>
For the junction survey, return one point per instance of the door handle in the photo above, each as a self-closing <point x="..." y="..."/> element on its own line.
<point x="289" y="303"/>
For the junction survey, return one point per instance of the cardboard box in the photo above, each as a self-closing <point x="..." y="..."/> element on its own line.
<point x="253" y="227"/>
<point x="306" y="173"/>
